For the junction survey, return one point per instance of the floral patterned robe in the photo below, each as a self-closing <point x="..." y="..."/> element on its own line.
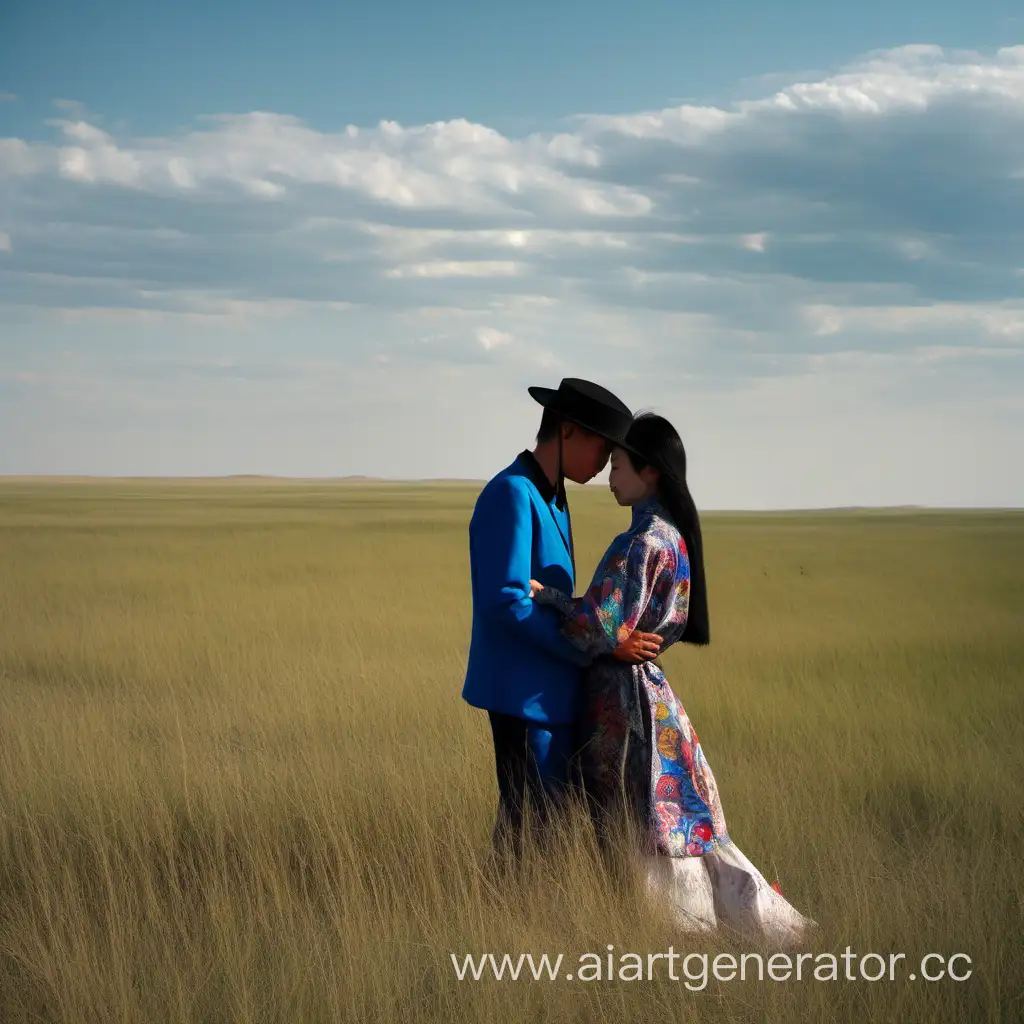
<point x="640" y="754"/>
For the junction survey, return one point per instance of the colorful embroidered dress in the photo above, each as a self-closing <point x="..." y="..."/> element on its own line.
<point x="640" y="754"/>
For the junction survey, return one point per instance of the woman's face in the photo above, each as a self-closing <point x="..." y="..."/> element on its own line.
<point x="629" y="486"/>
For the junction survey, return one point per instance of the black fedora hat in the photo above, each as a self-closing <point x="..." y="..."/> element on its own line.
<point x="588" y="404"/>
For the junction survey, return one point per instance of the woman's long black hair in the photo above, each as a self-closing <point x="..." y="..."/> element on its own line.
<point x="663" y="449"/>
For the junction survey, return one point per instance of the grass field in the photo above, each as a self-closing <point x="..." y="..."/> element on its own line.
<point x="237" y="781"/>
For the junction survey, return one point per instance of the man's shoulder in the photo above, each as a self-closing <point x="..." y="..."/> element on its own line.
<point x="507" y="483"/>
<point x="508" y="493"/>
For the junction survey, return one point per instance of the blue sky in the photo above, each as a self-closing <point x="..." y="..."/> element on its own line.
<point x="323" y="240"/>
<point x="154" y="67"/>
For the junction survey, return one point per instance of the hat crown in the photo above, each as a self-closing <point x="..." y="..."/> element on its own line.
<point x="588" y="389"/>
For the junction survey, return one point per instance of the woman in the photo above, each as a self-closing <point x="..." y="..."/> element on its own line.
<point x="641" y="763"/>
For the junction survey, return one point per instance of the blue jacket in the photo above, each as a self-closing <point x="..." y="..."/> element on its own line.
<point x="519" y="662"/>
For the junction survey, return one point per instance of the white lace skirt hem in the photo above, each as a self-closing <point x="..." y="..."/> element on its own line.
<point x="722" y="888"/>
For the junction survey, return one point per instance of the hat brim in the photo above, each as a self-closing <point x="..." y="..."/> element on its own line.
<point x="628" y="448"/>
<point x="542" y="395"/>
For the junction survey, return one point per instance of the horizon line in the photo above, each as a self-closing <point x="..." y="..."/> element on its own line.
<point x="71" y="478"/>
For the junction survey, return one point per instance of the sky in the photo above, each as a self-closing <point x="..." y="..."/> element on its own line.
<point x="326" y="240"/>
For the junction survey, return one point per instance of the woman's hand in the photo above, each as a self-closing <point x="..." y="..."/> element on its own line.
<point x="638" y="647"/>
<point x="535" y="587"/>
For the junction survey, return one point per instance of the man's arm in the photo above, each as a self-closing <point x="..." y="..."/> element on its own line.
<point x="501" y="542"/>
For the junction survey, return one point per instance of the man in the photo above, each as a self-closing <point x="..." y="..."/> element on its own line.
<point x="521" y="669"/>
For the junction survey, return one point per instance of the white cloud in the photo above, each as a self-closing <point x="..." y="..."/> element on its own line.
<point x="490" y="338"/>
<point x="866" y="222"/>
<point x="995" y="321"/>
<point x="18" y="157"/>
<point x="457" y="268"/>
<point x="447" y="165"/>
<point x="853" y="183"/>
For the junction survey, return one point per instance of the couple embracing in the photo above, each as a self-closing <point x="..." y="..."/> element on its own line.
<point x="571" y="685"/>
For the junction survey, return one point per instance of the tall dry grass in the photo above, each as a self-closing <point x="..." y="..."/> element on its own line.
<point x="238" y="784"/>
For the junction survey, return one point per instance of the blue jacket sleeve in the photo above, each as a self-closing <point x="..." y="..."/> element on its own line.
<point x="501" y="543"/>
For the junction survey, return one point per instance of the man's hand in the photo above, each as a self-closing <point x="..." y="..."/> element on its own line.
<point x="638" y="647"/>
<point x="534" y="587"/>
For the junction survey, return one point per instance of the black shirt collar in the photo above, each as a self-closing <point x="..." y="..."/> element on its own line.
<point x="539" y="477"/>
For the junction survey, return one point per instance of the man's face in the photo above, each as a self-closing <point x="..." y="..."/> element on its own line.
<point x="584" y="454"/>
